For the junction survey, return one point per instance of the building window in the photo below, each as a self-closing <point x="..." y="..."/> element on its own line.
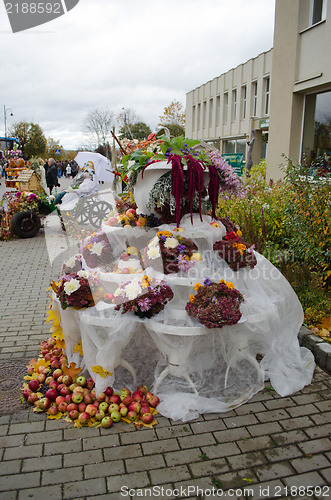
<point x="316" y="144"/>
<point x="234" y="105"/>
<point x="235" y="146"/>
<point x="266" y="95"/>
<point x="199" y="116"/>
<point x="204" y="114"/>
<point x="193" y="118"/>
<point x="318" y="10"/>
<point x="243" y="102"/>
<point x="225" y="107"/>
<point x="218" y="110"/>
<point x="211" y="112"/>
<point x="254" y="99"/>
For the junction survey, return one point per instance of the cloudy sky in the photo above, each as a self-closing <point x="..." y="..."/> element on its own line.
<point x="123" y="54"/>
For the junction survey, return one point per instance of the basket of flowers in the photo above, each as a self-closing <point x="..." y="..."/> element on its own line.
<point x="235" y="251"/>
<point x="96" y="250"/>
<point x="215" y="304"/>
<point x="178" y="253"/>
<point x="72" y="265"/>
<point x="77" y="290"/>
<point x="145" y="297"/>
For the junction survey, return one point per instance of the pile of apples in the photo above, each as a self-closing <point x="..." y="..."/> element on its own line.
<point x="51" y="389"/>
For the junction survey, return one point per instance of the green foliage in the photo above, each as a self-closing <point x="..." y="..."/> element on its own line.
<point x="140" y="131"/>
<point x="32" y="139"/>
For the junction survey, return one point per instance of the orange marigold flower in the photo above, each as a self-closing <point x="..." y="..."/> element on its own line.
<point x="192" y="298"/>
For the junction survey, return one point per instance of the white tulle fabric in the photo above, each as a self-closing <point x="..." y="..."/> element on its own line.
<point x="194" y="369"/>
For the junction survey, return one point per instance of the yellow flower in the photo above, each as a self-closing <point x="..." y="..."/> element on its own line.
<point x="192" y="298"/>
<point x="197" y="286"/>
<point x="144" y="282"/>
<point x="164" y="233"/>
<point x="239" y="233"/>
<point x="230" y="285"/>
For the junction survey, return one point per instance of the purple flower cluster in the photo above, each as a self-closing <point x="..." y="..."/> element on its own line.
<point x="215" y="305"/>
<point x="229" y="180"/>
<point x="92" y="259"/>
<point x="80" y="299"/>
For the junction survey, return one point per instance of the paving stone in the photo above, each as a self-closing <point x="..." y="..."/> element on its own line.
<point x="274" y="471"/>
<point x="253" y="444"/>
<point x="315" y="462"/>
<point x="250" y="408"/>
<point x="182" y="457"/>
<point x="100" y="442"/>
<point x="140" y="436"/>
<point x="231" y="435"/>
<point x="19" y="481"/>
<point x="272" y="415"/>
<point x="172" y="432"/>
<point x="144" y="463"/>
<point x="35" y="450"/>
<point x="305" y="480"/>
<point x="61" y="476"/>
<point x="64" y="447"/>
<point x="284" y="438"/>
<point x="208" y="426"/>
<point x="280" y="453"/>
<point x="44" y="437"/>
<point x="297" y="423"/>
<point x="110" y="468"/>
<point x="279" y="403"/>
<point x="240" y="421"/>
<point x="122" y="452"/>
<point x="127" y="481"/>
<point x="206" y="439"/>
<point x="82" y="458"/>
<point x="315" y="446"/>
<point x="26" y="428"/>
<point x="49" y="492"/>
<point x="264" y="429"/>
<point x="170" y="474"/>
<point x="42" y="463"/>
<point x="326" y="474"/>
<point x="10" y="467"/>
<point x="248" y="460"/>
<point x="298" y="411"/>
<point x="319" y="431"/>
<point x="220" y="450"/>
<point x="83" y="488"/>
<point x="208" y="467"/>
<point x="160" y="446"/>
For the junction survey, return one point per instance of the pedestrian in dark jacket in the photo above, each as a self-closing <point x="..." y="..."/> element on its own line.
<point x="51" y="175"/>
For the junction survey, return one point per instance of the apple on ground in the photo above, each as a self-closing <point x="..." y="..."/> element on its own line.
<point x="113" y="407"/>
<point x="115" y="416"/>
<point x="106" y="422"/>
<point x="81" y="381"/>
<point x="33" y="385"/>
<point x="100" y="414"/>
<point x="81" y="407"/>
<point x="131" y="415"/>
<point x="91" y="409"/>
<point x="77" y="397"/>
<point x="51" y="394"/>
<point x="115" y="399"/>
<point x="63" y="407"/>
<point x="147" y="418"/>
<point x="72" y="406"/>
<point x="84" y="417"/>
<point x="33" y="397"/>
<point x="73" y="414"/>
<point x="143" y="389"/>
<point x="103" y="406"/>
<point x="53" y="409"/>
<point x="109" y="391"/>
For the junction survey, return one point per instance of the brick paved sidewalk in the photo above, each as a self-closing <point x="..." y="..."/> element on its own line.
<point x="271" y="447"/>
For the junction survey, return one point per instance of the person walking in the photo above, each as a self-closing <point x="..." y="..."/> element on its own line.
<point x="51" y="175"/>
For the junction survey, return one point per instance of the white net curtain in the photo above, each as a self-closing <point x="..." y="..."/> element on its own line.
<point x="194" y="369"/>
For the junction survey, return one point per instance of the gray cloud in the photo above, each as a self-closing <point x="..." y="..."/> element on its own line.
<point x="116" y="53"/>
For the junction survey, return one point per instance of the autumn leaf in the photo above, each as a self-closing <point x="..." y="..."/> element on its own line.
<point x="71" y="370"/>
<point x="55" y="417"/>
<point x="79" y="348"/>
<point x="141" y="423"/>
<point x="101" y="371"/>
<point x="57" y="333"/>
<point x="77" y="424"/>
<point x="41" y="362"/>
<point x="325" y="323"/>
<point x="60" y="344"/>
<point x="34" y="376"/>
<point x="31" y="363"/>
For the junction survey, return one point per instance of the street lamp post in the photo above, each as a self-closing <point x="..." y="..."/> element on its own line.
<point x="5" y="119"/>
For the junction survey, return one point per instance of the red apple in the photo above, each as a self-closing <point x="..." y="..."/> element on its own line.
<point x="101" y="397"/>
<point x="68" y="398"/>
<point x="137" y="396"/>
<point x="53" y="410"/>
<point x="100" y="414"/>
<point x="106" y="422"/>
<point x="32" y="398"/>
<point x="124" y="411"/>
<point x="53" y="384"/>
<point x="65" y="391"/>
<point x="109" y="391"/>
<point x="144" y="409"/>
<point x="51" y="394"/>
<point x="72" y="406"/>
<point x="59" y="399"/>
<point x="73" y="414"/>
<point x="63" y="407"/>
<point x="131" y="415"/>
<point x="91" y="409"/>
<point x="154" y="401"/>
<point x="49" y="380"/>
<point x="143" y="389"/>
<point x="147" y="418"/>
<point x="127" y="400"/>
<point x="115" y="399"/>
<point x="88" y="399"/>
<point x="135" y="406"/>
<point x="81" y="407"/>
<point x="67" y="380"/>
<point x="90" y="384"/>
<point x="33" y="385"/>
<point x="84" y="417"/>
<point x="44" y="403"/>
<point x="41" y="378"/>
<point x="30" y="370"/>
<point x="26" y="393"/>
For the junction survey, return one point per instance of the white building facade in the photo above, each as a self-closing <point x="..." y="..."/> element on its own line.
<point x="281" y="98"/>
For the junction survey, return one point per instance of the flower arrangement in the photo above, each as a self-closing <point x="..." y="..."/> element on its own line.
<point x="96" y="250"/>
<point x="145" y="297"/>
<point x="178" y="253"/>
<point x="235" y="251"/>
<point x="74" y="290"/>
<point x="130" y="218"/>
<point x="72" y="265"/>
<point x="215" y="304"/>
<point x="14" y="202"/>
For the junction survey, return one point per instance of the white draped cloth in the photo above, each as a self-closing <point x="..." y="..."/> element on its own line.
<point x="193" y="369"/>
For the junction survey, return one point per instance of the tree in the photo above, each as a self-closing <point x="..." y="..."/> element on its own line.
<point x="99" y="123"/>
<point x="32" y="139"/>
<point x="140" y="131"/>
<point x="173" y="115"/>
<point x="52" y="146"/>
<point x="126" y="120"/>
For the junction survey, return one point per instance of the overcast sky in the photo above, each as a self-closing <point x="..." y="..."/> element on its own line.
<point x="123" y="54"/>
